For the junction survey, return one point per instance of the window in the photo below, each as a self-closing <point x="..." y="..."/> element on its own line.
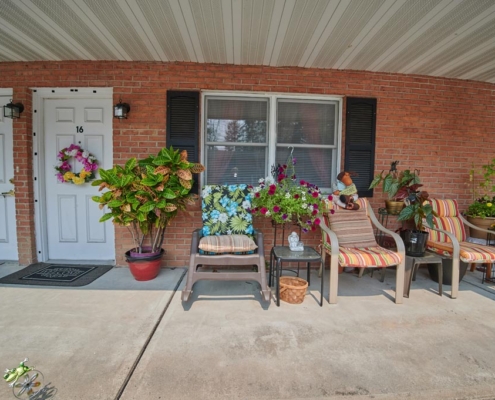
<point x="244" y="135"/>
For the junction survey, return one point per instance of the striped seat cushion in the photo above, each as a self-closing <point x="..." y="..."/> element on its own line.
<point x="365" y="257"/>
<point x="227" y="244"/>
<point x="448" y="220"/>
<point x="469" y="252"/>
<point x="352" y="227"/>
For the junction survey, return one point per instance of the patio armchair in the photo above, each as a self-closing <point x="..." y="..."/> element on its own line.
<point x="347" y="237"/>
<point x="227" y="239"/>
<point x="448" y="239"/>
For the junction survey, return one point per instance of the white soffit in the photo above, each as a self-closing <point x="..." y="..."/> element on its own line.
<point x="450" y="38"/>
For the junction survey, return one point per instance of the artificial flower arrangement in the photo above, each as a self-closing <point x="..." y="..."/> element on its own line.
<point x="283" y="200"/>
<point x="64" y="168"/>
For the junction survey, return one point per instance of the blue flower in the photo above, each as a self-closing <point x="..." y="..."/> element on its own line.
<point x="205" y="216"/>
<point x="248" y="217"/>
<point x="249" y="230"/>
<point x="232" y="209"/>
<point x="214" y="215"/>
<point x="242" y="186"/>
<point x="232" y="188"/>
<point x="206" y="230"/>
<point x="224" y="201"/>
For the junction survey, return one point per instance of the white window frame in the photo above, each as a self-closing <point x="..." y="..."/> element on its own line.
<point x="272" y="123"/>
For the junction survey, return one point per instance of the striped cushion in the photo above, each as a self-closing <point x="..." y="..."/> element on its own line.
<point x="365" y="257"/>
<point x="445" y="208"/>
<point x="448" y="220"/>
<point x="469" y="252"/>
<point x="227" y="244"/>
<point x="352" y="227"/>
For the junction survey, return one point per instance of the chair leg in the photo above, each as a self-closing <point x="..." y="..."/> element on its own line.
<point x="265" y="290"/>
<point x="399" y="282"/>
<point x="334" y="279"/>
<point x="473" y="267"/>
<point x="186" y="292"/>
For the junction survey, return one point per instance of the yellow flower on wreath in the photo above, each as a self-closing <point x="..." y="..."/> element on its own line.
<point x="78" y="180"/>
<point x="83" y="174"/>
<point x="68" y="176"/>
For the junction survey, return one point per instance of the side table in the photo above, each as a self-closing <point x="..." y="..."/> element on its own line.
<point x="284" y="253"/>
<point x="412" y="265"/>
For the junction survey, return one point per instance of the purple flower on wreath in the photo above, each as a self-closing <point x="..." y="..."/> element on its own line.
<point x="60" y="177"/>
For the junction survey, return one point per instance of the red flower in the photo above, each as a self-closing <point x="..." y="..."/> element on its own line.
<point x="330" y="197"/>
<point x="314" y="212"/>
<point x="257" y="194"/>
<point x="276" y="209"/>
<point x="296" y="196"/>
<point x="314" y="194"/>
<point x="317" y="221"/>
<point x="263" y="210"/>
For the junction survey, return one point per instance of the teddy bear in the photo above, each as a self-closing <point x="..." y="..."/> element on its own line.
<point x="346" y="191"/>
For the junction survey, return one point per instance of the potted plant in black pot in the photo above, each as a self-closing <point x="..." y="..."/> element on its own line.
<point x="145" y="196"/>
<point x="419" y="211"/>
<point x="396" y="184"/>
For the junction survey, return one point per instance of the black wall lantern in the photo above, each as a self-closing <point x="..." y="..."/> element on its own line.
<point x="120" y="110"/>
<point x="13" y="110"/>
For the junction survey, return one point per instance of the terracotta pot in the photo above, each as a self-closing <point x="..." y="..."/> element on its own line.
<point x="394" y="207"/>
<point x="483" y="223"/>
<point x="144" y="268"/>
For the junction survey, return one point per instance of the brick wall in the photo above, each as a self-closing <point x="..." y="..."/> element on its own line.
<point x="439" y="126"/>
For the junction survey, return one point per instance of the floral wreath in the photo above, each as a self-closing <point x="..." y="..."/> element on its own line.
<point x="65" y="174"/>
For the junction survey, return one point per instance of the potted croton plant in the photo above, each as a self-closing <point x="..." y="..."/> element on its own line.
<point x="397" y="185"/>
<point x="144" y="196"/>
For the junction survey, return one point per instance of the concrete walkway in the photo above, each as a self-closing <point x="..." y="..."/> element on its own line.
<point x="119" y="338"/>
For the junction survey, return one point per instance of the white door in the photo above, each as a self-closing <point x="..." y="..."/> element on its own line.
<point x="73" y="229"/>
<point x="8" y="236"/>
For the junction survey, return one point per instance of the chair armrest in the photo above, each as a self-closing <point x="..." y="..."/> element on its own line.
<point x="258" y="239"/>
<point x="334" y="241"/>
<point x="398" y="240"/>
<point x="196" y="236"/>
<point x="455" y="243"/>
<point x="466" y="222"/>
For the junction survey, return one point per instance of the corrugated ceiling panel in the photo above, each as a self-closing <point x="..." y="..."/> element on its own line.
<point x="476" y="38"/>
<point x="68" y="20"/>
<point x="256" y="18"/>
<point x="17" y="47"/>
<point x="403" y="20"/>
<point x="487" y="57"/>
<point x="27" y="25"/>
<point x="208" y="20"/>
<point x="458" y="17"/>
<point x="3" y="57"/>
<point x="485" y="76"/>
<point x="115" y="21"/>
<point x="164" y="26"/>
<point x="357" y="14"/>
<point x="303" y="21"/>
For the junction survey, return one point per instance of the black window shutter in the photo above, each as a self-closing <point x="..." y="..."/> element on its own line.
<point x="360" y="134"/>
<point x="183" y="125"/>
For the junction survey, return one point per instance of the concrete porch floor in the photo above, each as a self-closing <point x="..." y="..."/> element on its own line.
<point x="122" y="339"/>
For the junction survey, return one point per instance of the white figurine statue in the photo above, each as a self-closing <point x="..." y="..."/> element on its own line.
<point x="294" y="243"/>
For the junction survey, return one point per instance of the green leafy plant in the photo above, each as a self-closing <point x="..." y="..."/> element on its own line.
<point x="284" y="200"/>
<point x="483" y="204"/>
<point x="395" y="183"/>
<point x="418" y="208"/>
<point x="146" y="195"/>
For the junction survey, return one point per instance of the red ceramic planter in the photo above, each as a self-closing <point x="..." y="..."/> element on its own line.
<point x="145" y="266"/>
<point x="145" y="270"/>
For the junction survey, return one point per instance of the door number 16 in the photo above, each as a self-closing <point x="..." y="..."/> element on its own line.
<point x="79" y="129"/>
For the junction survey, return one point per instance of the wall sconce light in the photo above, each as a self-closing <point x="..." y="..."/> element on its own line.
<point x="13" y="110"/>
<point x="120" y="110"/>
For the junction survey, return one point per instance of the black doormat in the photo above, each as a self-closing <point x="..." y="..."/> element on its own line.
<point x="46" y="274"/>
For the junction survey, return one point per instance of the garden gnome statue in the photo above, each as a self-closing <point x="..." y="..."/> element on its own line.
<point x="294" y="243"/>
<point x="346" y="191"/>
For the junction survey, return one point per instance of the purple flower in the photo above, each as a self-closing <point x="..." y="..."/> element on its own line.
<point x="284" y="216"/>
<point x="60" y="177"/>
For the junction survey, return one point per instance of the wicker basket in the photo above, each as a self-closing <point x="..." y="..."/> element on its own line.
<point x="292" y="289"/>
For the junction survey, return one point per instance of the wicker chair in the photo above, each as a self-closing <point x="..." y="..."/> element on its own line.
<point x="226" y="239"/>
<point x="448" y="239"/>
<point x="347" y="236"/>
